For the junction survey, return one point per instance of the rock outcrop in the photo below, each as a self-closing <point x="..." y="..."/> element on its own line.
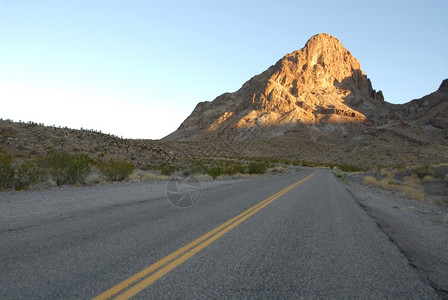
<point x="429" y="113"/>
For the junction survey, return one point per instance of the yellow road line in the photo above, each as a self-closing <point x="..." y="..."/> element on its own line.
<point x="171" y="261"/>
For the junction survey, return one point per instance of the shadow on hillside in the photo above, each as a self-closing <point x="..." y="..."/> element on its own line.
<point x="362" y="97"/>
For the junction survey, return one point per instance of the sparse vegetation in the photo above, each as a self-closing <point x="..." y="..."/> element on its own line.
<point x="67" y="168"/>
<point x="28" y="173"/>
<point x="117" y="170"/>
<point x="95" y="178"/>
<point x="413" y="192"/>
<point x="29" y="149"/>
<point x="167" y="169"/>
<point x="215" y="171"/>
<point x="348" y="168"/>
<point x="7" y="172"/>
<point x="370" y="180"/>
<point x="415" y="183"/>
<point x="257" y="168"/>
<point x="152" y="177"/>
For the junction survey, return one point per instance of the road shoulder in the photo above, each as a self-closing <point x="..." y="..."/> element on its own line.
<point x="418" y="229"/>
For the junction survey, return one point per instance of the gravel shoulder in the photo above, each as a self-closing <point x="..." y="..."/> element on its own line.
<point x="419" y="229"/>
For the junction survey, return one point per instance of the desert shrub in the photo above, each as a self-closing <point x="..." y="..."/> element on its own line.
<point x="201" y="178"/>
<point x="234" y="168"/>
<point x="387" y="184"/>
<point x="79" y="169"/>
<point x="7" y="172"/>
<point x="151" y="177"/>
<point x="400" y="167"/>
<point x="94" y="178"/>
<point x="67" y="168"/>
<point x="135" y="177"/>
<point x="341" y="176"/>
<point x="423" y="171"/>
<point x="215" y="171"/>
<point x="348" y="168"/>
<point x="370" y="180"/>
<point x="386" y="173"/>
<point x="198" y="167"/>
<point x="27" y="174"/>
<point x="308" y="164"/>
<point x="436" y="200"/>
<point x="116" y="170"/>
<point x="296" y="162"/>
<point x="428" y="178"/>
<point x="167" y="169"/>
<point x="413" y="193"/>
<point x="412" y="180"/>
<point x="280" y="170"/>
<point x="257" y="168"/>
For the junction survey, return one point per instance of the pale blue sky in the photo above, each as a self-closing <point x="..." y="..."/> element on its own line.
<point x="138" y="68"/>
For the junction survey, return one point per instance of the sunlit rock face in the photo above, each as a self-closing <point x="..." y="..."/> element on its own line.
<point x="320" y="88"/>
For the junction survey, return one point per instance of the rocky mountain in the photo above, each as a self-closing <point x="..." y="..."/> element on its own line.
<point x="317" y="103"/>
<point x="320" y="84"/>
<point x="322" y="87"/>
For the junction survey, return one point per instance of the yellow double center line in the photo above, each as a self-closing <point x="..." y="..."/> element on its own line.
<point x="137" y="282"/>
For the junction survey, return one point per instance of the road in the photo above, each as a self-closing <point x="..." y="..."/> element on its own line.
<point x="308" y="239"/>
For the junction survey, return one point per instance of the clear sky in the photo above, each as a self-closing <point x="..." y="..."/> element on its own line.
<point x="138" y="68"/>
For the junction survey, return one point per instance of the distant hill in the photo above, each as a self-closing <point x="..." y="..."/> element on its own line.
<point x="30" y="140"/>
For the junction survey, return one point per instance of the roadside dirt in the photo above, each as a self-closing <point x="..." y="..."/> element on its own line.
<point x="418" y="228"/>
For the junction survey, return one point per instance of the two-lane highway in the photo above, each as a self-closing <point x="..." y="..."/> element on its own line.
<point x="295" y="236"/>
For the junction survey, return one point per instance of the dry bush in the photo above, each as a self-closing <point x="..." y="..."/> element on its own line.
<point x="413" y="193"/>
<point x="436" y="200"/>
<point x="422" y="171"/>
<point x="370" y="180"/>
<point x="95" y="178"/>
<point x="428" y="178"/>
<point x="152" y="177"/>
<point x="388" y="184"/>
<point x="278" y="170"/>
<point x="387" y="174"/>
<point x="226" y="177"/>
<point x="201" y="177"/>
<point x="135" y="177"/>
<point x="412" y="180"/>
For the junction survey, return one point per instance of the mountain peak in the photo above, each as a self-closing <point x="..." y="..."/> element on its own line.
<point x="318" y="84"/>
<point x="444" y="86"/>
<point x="322" y="38"/>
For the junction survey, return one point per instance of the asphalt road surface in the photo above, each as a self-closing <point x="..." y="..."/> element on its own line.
<point x="295" y="236"/>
